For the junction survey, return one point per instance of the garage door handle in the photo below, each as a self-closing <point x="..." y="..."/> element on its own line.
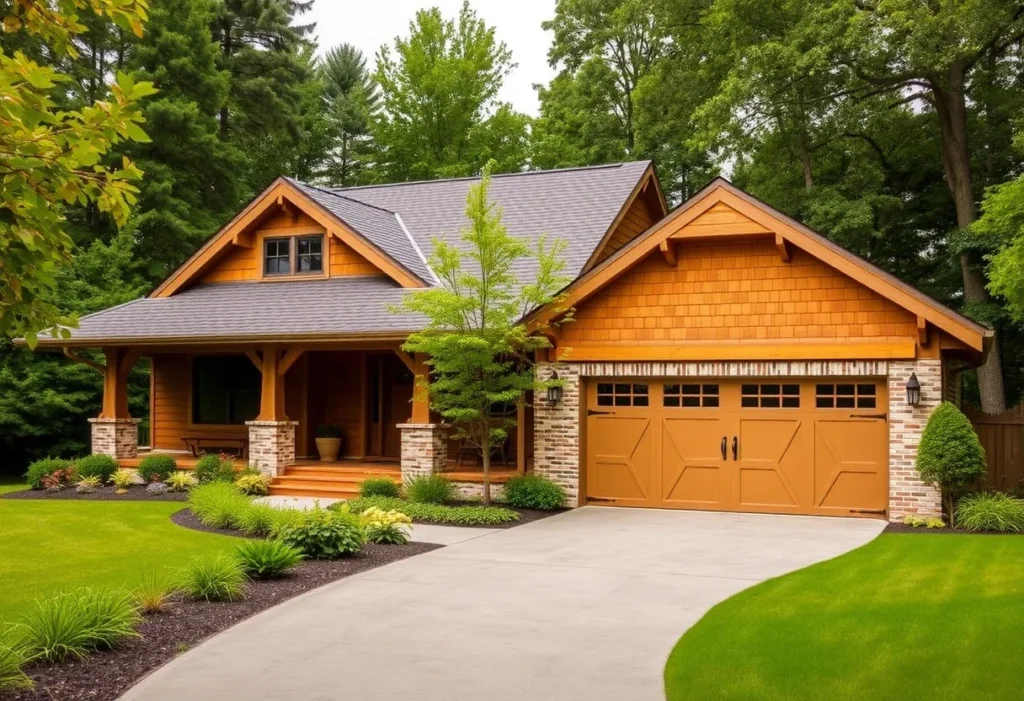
<point x="868" y="416"/>
<point x="593" y="412"/>
<point x="735" y="447"/>
<point x="724" y="442"/>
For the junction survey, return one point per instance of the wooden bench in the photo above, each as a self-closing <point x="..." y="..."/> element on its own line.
<point x="198" y="443"/>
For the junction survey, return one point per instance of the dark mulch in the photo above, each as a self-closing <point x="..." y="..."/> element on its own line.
<point x="106" y="675"/>
<point x="107" y="493"/>
<point x="903" y="528"/>
<point x="186" y="519"/>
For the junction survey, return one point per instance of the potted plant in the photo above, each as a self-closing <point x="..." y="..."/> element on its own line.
<point x="328" y="442"/>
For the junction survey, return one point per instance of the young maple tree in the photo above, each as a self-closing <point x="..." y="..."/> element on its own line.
<point x="477" y="344"/>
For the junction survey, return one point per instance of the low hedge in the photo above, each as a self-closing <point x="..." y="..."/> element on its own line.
<point x="436" y="513"/>
<point x="534" y="492"/>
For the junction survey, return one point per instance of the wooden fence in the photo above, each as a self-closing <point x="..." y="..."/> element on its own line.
<point x="1002" y="435"/>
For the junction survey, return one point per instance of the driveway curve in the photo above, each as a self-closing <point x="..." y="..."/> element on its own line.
<point x="583" y="605"/>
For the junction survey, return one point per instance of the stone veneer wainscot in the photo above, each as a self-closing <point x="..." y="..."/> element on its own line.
<point x="271" y="445"/>
<point x="118" y="438"/>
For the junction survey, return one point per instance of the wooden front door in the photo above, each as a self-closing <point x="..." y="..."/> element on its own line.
<point x="801" y="447"/>
<point x="389" y="397"/>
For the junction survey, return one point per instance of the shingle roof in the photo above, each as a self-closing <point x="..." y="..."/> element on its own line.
<point x="240" y="310"/>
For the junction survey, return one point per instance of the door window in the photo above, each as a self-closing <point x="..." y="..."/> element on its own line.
<point x="770" y="396"/>
<point x="622" y="394"/>
<point x="690" y="395"/>
<point x="845" y="396"/>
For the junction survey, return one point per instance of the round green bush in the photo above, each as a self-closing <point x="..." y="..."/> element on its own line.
<point x="40" y="469"/>
<point x="157" y="468"/>
<point x="534" y="492"/>
<point x="320" y="534"/>
<point x="991" y="511"/>
<point x="950" y="454"/>
<point x="102" y="466"/>
<point x="208" y="469"/>
<point x="430" y="489"/>
<point x="379" y="487"/>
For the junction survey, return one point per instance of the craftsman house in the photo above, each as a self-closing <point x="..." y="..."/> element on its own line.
<point x="722" y="357"/>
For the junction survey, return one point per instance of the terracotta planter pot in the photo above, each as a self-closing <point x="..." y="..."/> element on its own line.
<point x="328" y="448"/>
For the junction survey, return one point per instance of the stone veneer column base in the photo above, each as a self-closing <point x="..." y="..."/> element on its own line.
<point x="271" y="445"/>
<point x="907" y="493"/>
<point x="118" y="438"/>
<point x="424" y="449"/>
<point x="556" y="432"/>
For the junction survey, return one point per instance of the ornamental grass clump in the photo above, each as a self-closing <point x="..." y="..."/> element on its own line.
<point x="379" y="487"/>
<point x="14" y="656"/>
<point x="386" y="527"/>
<point x="153" y="594"/>
<point x="73" y="624"/>
<point x="181" y="481"/>
<point x="534" y="492"/>
<point x="213" y="578"/>
<point x="265" y="559"/>
<point x="88" y="485"/>
<point x="990" y="511"/>
<point x="430" y="489"/>
<point x="98" y="465"/>
<point x="122" y="479"/>
<point x="950" y="454"/>
<point x="258" y="520"/>
<point x="253" y="484"/>
<point x="218" y="504"/>
<point x="322" y="534"/>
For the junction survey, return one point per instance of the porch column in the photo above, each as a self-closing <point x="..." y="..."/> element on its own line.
<point x="424" y="444"/>
<point x="908" y="494"/>
<point x="114" y="431"/>
<point x="272" y="434"/>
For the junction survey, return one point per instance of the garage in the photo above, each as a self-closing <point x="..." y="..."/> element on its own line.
<point x="793" y="445"/>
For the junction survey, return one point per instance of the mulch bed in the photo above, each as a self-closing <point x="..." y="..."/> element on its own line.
<point x="106" y="493"/>
<point x="106" y="675"/>
<point x="903" y="528"/>
<point x="186" y="519"/>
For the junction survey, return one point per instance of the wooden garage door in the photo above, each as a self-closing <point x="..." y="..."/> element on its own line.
<point x="812" y="447"/>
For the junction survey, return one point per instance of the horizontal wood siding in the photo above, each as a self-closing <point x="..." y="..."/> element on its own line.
<point x="345" y="261"/>
<point x="170" y="401"/>
<point x="1002" y="436"/>
<point x="734" y="291"/>
<point x="637" y="219"/>
<point x="336" y="396"/>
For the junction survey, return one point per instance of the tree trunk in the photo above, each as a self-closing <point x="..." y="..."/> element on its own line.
<point x="951" y="108"/>
<point x="486" y="448"/>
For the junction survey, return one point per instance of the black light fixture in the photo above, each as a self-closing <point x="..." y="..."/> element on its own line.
<point x="913" y="390"/>
<point x="554" y="391"/>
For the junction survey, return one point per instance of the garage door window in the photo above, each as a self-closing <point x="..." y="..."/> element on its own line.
<point x="845" y="396"/>
<point x="770" y="396"/>
<point x="690" y="395"/>
<point x="622" y="394"/>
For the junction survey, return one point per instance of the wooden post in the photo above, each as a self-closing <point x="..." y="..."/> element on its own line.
<point x="272" y="393"/>
<point x="521" y="436"/>
<point x="119" y="362"/>
<point x="420" y="392"/>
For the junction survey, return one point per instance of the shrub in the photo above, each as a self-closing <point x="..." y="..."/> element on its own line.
<point x="100" y="466"/>
<point x="43" y="468"/>
<point x="13" y="656"/>
<point x="214" y="578"/>
<point x="88" y="485"/>
<point x="253" y="484"/>
<point x="153" y="594"/>
<point x="263" y="559"/>
<point x="379" y="487"/>
<point x="916" y="521"/>
<point x="207" y="468"/>
<point x="386" y="527"/>
<point x="156" y="468"/>
<point x="258" y="520"/>
<point x="321" y="534"/>
<point x="218" y="504"/>
<point x="283" y="518"/>
<point x="59" y="479"/>
<point x="990" y="511"/>
<point x="534" y="492"/>
<point x="76" y="623"/>
<point x="437" y="513"/>
<point x="950" y="454"/>
<point x="180" y="481"/>
<point x="430" y="489"/>
<point x="122" y="479"/>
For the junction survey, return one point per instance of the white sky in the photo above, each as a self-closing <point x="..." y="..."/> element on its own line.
<point x="367" y="25"/>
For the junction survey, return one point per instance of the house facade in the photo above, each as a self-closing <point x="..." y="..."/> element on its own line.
<point x="721" y="356"/>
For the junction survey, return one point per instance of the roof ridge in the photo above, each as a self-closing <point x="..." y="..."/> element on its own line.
<point x="339" y="195"/>
<point x="600" y="166"/>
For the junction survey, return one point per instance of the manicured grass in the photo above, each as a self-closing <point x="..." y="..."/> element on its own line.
<point x="908" y="616"/>
<point x="52" y="546"/>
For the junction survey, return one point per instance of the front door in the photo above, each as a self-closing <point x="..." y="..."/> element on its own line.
<point x="388" y="404"/>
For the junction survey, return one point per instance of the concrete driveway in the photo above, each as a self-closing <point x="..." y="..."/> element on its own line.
<point x="584" y="605"/>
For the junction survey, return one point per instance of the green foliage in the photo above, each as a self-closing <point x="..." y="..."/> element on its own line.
<point x="265" y="559"/>
<point x="915" y="521"/>
<point x="218" y="504"/>
<point x="253" y="484"/>
<point x="385" y="527"/>
<point x="322" y="534"/>
<point x="534" y="492"/>
<point x="76" y="623"/>
<point x="14" y="656"/>
<point x="950" y="454"/>
<point x="328" y="431"/>
<point x="41" y="469"/>
<point x="352" y="100"/>
<point x="181" y="481"/>
<point x="209" y="468"/>
<point x="213" y="578"/>
<point x="101" y="466"/>
<point x="475" y="338"/>
<point x="88" y="485"/>
<point x="437" y="513"/>
<point x="153" y="594"/>
<point x="379" y="487"/>
<point x="990" y="511"/>
<point x="429" y="489"/>
<point x="258" y="520"/>
<point x="122" y="479"/>
<point x="1001" y="228"/>
<point x="156" y="468"/>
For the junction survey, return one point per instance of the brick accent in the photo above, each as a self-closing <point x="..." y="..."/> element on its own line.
<point x="556" y="431"/>
<point x="907" y="493"/>
<point x="424" y="449"/>
<point x="118" y="438"/>
<point x="760" y="368"/>
<point x="271" y="445"/>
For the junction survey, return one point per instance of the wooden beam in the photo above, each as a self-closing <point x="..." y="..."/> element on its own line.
<point x="668" y="250"/>
<point x="804" y="350"/>
<point x="255" y="358"/>
<point x="288" y="207"/>
<point x="289" y="359"/>
<point x="100" y="367"/>
<point x="272" y="391"/>
<point x="128" y="360"/>
<point x="521" y="436"/>
<point x="115" y="383"/>
<point x="922" y="330"/>
<point x="407" y="360"/>
<point x="783" y="247"/>
<point x="421" y="391"/>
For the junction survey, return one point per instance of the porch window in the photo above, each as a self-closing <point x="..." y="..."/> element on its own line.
<point x="225" y="390"/>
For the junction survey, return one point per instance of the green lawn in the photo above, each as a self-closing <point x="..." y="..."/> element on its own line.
<point x="905" y="617"/>
<point x="50" y="546"/>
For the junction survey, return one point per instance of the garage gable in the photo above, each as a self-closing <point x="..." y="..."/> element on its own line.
<point x="725" y="268"/>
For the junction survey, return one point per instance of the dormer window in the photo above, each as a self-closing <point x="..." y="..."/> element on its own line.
<point x="293" y="255"/>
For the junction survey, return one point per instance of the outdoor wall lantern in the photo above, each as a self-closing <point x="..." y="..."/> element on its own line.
<point x="554" y="391"/>
<point x="913" y="390"/>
